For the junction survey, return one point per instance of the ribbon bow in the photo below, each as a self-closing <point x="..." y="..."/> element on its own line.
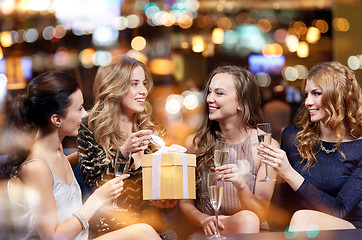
<point x="156" y="140"/>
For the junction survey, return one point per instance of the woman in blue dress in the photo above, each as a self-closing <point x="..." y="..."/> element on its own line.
<point x="322" y="154"/>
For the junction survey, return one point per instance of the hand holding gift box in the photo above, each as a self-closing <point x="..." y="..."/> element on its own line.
<point x="168" y="173"/>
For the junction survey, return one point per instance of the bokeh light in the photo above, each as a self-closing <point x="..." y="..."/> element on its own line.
<point x="263" y="79"/>
<point x="217" y="36"/>
<point x="31" y="35"/>
<point x="290" y="73"/>
<point x="341" y="24"/>
<point x="86" y="57"/>
<point x="173" y="104"/>
<point x="303" y="50"/>
<point x="138" y="43"/>
<point x="313" y="35"/>
<point x="6" y="39"/>
<point x="312" y="230"/>
<point x="353" y="62"/>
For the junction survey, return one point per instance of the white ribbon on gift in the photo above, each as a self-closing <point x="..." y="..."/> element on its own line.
<point x="156" y="166"/>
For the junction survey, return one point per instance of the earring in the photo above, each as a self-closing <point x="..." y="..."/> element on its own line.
<point x="58" y="126"/>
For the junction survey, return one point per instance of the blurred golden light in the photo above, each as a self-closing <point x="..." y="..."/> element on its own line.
<point x="161" y="66"/>
<point x="86" y="56"/>
<point x="303" y="50"/>
<point x="218" y="35"/>
<point x="224" y="23"/>
<point x="264" y="25"/>
<point x="197" y="44"/>
<point x="185" y="45"/>
<point x="321" y="25"/>
<point x="313" y="35"/>
<point x="168" y="19"/>
<point x="341" y="24"/>
<point x="138" y="43"/>
<point x="292" y="43"/>
<point x="7" y="7"/>
<point x="279" y="88"/>
<point x="272" y="50"/>
<point x="185" y="21"/>
<point x="1" y="53"/>
<point x="6" y="39"/>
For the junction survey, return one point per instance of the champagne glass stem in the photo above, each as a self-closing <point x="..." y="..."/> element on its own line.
<point x="217" y="233"/>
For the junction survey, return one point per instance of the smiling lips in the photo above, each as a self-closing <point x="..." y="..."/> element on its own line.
<point x="140" y="100"/>
<point x="212" y="109"/>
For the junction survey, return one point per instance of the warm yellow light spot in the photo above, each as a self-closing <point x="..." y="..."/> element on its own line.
<point x="138" y="43"/>
<point x="197" y="44"/>
<point x="313" y="35"/>
<point x="86" y="56"/>
<point x="218" y="35"/>
<point x="5" y="39"/>
<point x="161" y="66"/>
<point x="303" y="50"/>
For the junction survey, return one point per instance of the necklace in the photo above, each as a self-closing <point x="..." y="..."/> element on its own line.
<point x="327" y="150"/>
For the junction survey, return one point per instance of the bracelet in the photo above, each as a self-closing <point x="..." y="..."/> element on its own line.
<point x="78" y="215"/>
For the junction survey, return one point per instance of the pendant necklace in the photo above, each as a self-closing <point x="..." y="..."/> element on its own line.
<point x="327" y="150"/>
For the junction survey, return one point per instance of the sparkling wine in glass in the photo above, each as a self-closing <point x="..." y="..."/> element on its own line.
<point x="264" y="136"/>
<point x="118" y="171"/>
<point x="215" y="184"/>
<point x="221" y="152"/>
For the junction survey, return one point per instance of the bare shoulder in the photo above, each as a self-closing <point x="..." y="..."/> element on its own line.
<point x="35" y="172"/>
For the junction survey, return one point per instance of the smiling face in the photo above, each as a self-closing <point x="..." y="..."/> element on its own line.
<point x="75" y="112"/>
<point x="313" y="102"/>
<point x="134" y="100"/>
<point x="222" y="99"/>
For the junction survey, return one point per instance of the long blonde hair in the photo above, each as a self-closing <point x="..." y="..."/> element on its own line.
<point x="247" y="91"/>
<point x="341" y="99"/>
<point x="111" y="83"/>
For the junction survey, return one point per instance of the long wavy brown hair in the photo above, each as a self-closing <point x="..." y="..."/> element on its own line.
<point x="247" y="91"/>
<point x="341" y="99"/>
<point x="111" y="83"/>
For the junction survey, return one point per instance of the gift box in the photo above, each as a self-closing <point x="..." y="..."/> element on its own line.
<point x="168" y="176"/>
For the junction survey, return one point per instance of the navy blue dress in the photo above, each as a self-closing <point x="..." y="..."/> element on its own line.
<point x="332" y="186"/>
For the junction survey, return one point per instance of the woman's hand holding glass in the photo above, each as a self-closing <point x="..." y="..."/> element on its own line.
<point x="232" y="174"/>
<point x="209" y="224"/>
<point x="136" y="142"/>
<point x="276" y="158"/>
<point x="109" y="191"/>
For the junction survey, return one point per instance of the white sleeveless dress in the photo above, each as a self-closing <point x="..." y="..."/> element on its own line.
<point x="68" y="199"/>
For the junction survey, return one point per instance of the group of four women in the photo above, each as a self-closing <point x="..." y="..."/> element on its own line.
<point x="319" y="157"/>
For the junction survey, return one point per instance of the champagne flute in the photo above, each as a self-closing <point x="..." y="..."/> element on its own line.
<point x="264" y="136"/>
<point x="215" y="184"/>
<point x="118" y="171"/>
<point x="221" y="152"/>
